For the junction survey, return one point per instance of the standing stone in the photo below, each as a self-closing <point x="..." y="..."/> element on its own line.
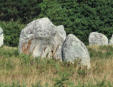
<point x="1" y="37"/>
<point x="58" y="40"/>
<point x="74" y="49"/>
<point x="41" y="38"/>
<point x="96" y="38"/>
<point x="111" y="41"/>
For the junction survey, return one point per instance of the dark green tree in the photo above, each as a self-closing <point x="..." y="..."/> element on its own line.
<point x="81" y="17"/>
<point x="23" y="10"/>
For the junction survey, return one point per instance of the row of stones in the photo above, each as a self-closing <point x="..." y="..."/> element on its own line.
<point x="95" y="38"/>
<point x="41" y="38"/>
<point x="56" y="45"/>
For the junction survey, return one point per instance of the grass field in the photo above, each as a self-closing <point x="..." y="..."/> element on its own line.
<point x="19" y="70"/>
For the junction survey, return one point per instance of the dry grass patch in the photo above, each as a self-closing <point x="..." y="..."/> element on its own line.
<point x="28" y="71"/>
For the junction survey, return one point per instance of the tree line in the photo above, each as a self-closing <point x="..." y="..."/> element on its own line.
<point x="79" y="17"/>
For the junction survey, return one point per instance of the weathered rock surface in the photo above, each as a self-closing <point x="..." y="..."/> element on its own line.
<point x="96" y="38"/>
<point x="42" y="39"/>
<point x="111" y="41"/>
<point x="1" y="37"/>
<point x="74" y="49"/>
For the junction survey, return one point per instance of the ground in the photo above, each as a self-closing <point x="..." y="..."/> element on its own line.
<point x="19" y="70"/>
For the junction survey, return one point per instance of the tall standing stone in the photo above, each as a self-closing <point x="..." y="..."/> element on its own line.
<point x="96" y="38"/>
<point x="74" y="49"/>
<point x="1" y="37"/>
<point x="41" y="38"/>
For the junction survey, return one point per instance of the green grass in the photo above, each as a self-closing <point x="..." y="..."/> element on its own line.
<point x="101" y="51"/>
<point x="20" y="70"/>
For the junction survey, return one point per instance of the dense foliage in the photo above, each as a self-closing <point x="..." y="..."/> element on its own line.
<point x="11" y="32"/>
<point x="79" y="17"/>
<point x="23" y="10"/>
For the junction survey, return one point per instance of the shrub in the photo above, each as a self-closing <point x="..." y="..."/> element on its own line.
<point x="80" y="17"/>
<point x="11" y="32"/>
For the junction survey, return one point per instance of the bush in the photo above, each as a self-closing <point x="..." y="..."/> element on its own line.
<point x="11" y="32"/>
<point x="80" y="17"/>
